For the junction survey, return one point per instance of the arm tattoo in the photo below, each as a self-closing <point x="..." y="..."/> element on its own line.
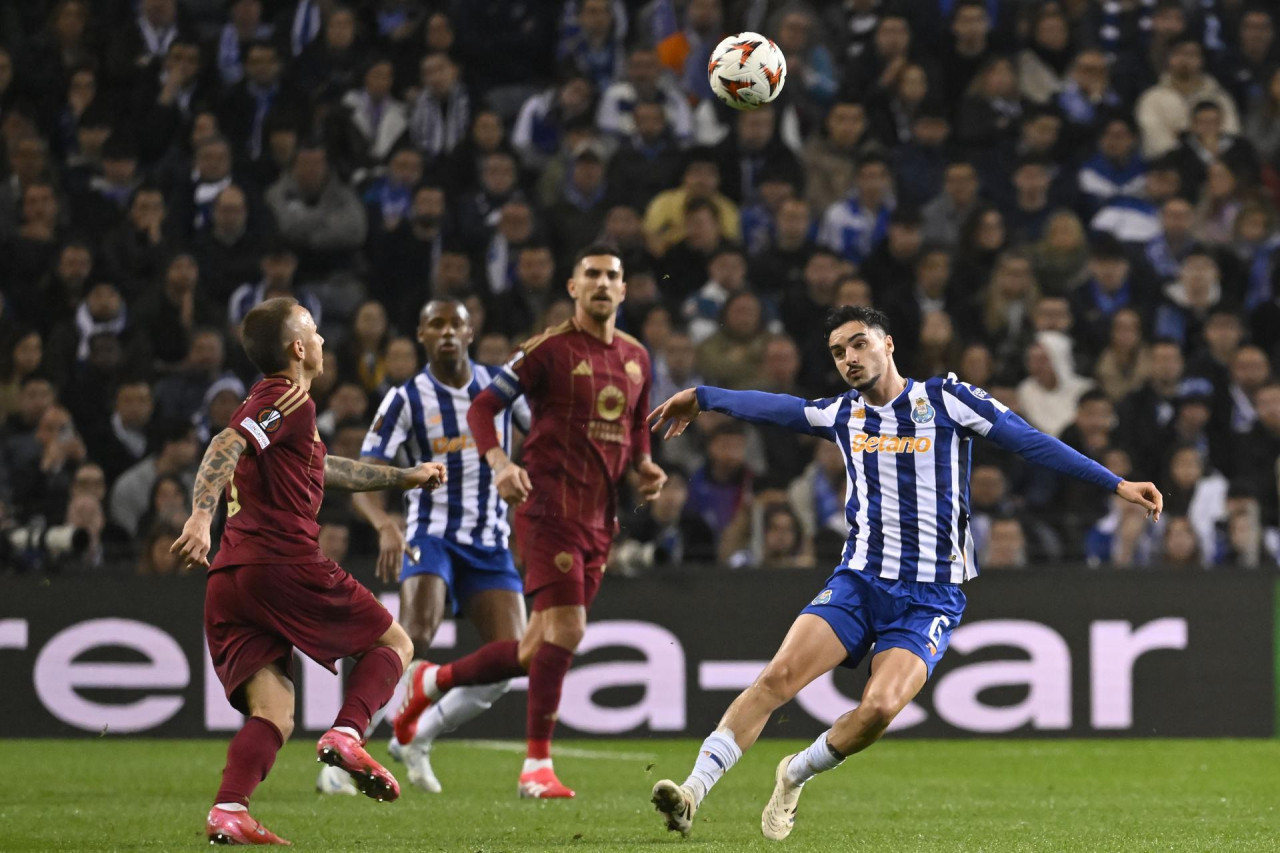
<point x="216" y="468"/>
<point x="348" y="475"/>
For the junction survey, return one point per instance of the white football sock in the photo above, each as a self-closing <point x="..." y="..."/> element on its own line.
<point x="717" y="754"/>
<point x="817" y="758"/>
<point x="231" y="807"/>
<point x="533" y="764"/>
<point x="458" y="706"/>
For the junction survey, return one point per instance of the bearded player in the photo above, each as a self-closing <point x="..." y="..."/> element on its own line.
<point x="270" y="590"/>
<point x="588" y="386"/>
<point x="906" y="447"/>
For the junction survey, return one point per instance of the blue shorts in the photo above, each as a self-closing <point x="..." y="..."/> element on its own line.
<point x="865" y="609"/>
<point x="465" y="569"/>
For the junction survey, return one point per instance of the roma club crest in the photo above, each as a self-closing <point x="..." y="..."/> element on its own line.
<point x="923" y="412"/>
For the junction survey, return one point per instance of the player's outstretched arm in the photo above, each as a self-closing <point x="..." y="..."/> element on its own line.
<point x="215" y="470"/>
<point x="755" y="406"/>
<point x="1013" y="433"/>
<point x="350" y="475"/>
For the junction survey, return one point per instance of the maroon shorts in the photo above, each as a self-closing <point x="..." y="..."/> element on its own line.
<point x="257" y="615"/>
<point x="563" y="561"/>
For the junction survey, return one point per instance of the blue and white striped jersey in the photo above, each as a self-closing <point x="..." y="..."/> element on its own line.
<point x="907" y="467"/>
<point x="429" y="421"/>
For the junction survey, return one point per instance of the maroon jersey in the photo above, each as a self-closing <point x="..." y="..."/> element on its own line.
<point x="278" y="484"/>
<point x="589" y="401"/>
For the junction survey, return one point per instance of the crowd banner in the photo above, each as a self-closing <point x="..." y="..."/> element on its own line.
<point x="1051" y="652"/>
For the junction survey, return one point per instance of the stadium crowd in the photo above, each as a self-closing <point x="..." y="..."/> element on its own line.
<point x="1072" y="203"/>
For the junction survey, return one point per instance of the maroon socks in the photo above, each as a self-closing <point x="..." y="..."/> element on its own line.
<point x="372" y="681"/>
<point x="249" y="758"/>
<point x="488" y="664"/>
<point x="546" y="678"/>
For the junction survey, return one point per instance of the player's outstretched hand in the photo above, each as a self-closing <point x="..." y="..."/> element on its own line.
<point x="680" y="409"/>
<point x="1145" y="495"/>
<point x="652" y="479"/>
<point x="193" y="545"/>
<point x="513" y="484"/>
<point x="428" y="475"/>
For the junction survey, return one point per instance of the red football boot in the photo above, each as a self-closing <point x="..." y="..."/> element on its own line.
<point x="542" y="784"/>
<point x="420" y="693"/>
<point x="339" y="749"/>
<point x="228" y="827"/>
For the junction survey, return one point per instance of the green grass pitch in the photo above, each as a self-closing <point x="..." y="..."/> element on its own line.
<point x="120" y="794"/>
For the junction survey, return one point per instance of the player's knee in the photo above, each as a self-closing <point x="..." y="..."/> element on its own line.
<point x="278" y="715"/>
<point x="778" y="680"/>
<point x="567" y="635"/>
<point x="879" y="709"/>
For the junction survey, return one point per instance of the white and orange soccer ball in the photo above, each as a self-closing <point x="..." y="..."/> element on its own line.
<point x="747" y="71"/>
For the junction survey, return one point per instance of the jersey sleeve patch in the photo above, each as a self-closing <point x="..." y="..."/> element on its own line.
<point x="259" y="435"/>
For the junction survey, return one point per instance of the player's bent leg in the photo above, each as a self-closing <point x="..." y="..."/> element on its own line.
<point x="372" y="681"/>
<point x="897" y="675"/>
<point x="268" y="696"/>
<point x="810" y="649"/>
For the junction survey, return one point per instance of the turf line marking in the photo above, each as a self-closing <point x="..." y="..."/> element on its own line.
<point x="566" y="751"/>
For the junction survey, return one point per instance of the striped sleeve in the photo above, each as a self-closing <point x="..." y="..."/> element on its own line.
<point x="970" y="407"/>
<point x="390" y="427"/>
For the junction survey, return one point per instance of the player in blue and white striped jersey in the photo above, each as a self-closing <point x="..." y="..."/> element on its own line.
<point x="906" y="446"/>
<point x="454" y="547"/>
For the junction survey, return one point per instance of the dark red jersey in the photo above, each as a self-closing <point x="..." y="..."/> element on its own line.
<point x="589" y="401"/>
<point x="278" y="484"/>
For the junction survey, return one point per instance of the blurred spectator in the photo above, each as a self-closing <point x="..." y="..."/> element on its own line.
<point x="1117" y="170"/>
<point x="363" y="353"/>
<point x="1124" y="364"/>
<point x="229" y="252"/>
<point x="347" y="404"/>
<point x="376" y="120"/>
<point x="727" y="275"/>
<point x="664" y="534"/>
<point x="1049" y="393"/>
<point x="723" y="484"/>
<point x="334" y="540"/>
<point x="1181" y="548"/>
<point x="442" y="113"/>
<point x="1110" y="288"/>
<point x="546" y="119"/>
<point x="1006" y="545"/>
<point x="319" y="215"/>
<point x="645" y="83"/>
<point x="1198" y="494"/>
<point x="945" y="215"/>
<point x="779" y="268"/>
<point x="983" y="237"/>
<point x="26" y="351"/>
<point x="854" y="226"/>
<point x="664" y="219"/>
<point x="1044" y="63"/>
<point x="732" y="357"/>
<point x="1249" y="371"/>
<point x="515" y="309"/>
<point x="121" y="441"/>
<point x="1164" y="110"/>
<point x="176" y="454"/>
<point x="156" y="554"/>
<point x="817" y="497"/>
<point x="1258" y="451"/>
<point x="648" y="160"/>
<point x="135" y="251"/>
<point x="1190" y="299"/>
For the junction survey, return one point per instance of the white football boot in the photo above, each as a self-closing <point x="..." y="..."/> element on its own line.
<point x="675" y="802"/>
<point x="417" y="757"/>
<point x="779" y="815"/>
<point x="335" y="780"/>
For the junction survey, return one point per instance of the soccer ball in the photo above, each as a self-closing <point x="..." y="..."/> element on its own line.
<point x="747" y="71"/>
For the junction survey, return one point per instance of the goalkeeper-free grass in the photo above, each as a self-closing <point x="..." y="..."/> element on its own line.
<point x="902" y="795"/>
